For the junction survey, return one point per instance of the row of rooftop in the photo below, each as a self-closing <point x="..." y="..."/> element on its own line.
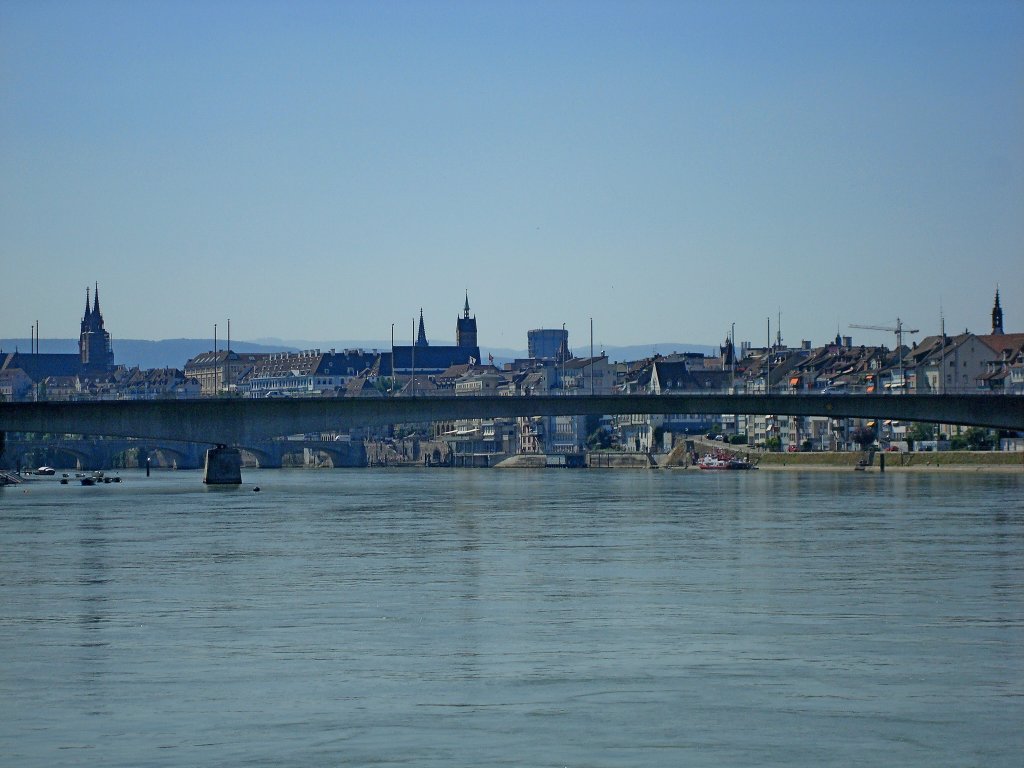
<point x="962" y="363"/>
<point x="938" y="364"/>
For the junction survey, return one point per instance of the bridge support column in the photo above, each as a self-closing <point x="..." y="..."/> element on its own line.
<point x="223" y="466"/>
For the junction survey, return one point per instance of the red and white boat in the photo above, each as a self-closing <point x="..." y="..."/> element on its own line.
<point x="722" y="460"/>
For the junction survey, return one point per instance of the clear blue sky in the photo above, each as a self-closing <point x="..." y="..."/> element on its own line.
<point x="321" y="170"/>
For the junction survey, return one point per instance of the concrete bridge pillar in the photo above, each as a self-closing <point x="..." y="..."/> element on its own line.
<point x="223" y="466"/>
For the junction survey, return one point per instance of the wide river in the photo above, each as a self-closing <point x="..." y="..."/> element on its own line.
<point x="521" y="618"/>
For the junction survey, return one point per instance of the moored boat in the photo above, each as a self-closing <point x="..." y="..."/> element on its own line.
<point x="722" y="460"/>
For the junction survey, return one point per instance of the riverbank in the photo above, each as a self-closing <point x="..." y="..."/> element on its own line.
<point x="964" y="461"/>
<point x="922" y="461"/>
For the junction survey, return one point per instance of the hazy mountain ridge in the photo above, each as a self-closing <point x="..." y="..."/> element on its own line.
<point x="167" y="353"/>
<point x="504" y="354"/>
<point x="174" y="353"/>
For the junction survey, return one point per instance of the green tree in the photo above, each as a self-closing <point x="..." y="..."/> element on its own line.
<point x="920" y="430"/>
<point x="863" y="436"/>
<point x="599" y="439"/>
<point x="973" y="439"/>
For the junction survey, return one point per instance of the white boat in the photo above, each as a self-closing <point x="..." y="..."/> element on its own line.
<point x="722" y="460"/>
<point x="46" y="471"/>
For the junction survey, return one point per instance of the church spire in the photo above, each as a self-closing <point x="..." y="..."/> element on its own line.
<point x="95" y="355"/>
<point x="465" y="309"/>
<point x="997" y="316"/>
<point x="421" y="336"/>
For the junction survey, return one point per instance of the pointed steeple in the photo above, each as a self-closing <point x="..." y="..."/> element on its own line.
<point x="727" y="352"/>
<point x="421" y="336"/>
<point x="997" y="316"/>
<point x="465" y="329"/>
<point x="94" y="350"/>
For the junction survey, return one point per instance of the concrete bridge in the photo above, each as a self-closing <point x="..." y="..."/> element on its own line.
<point x="98" y="452"/>
<point x="234" y="423"/>
<point x="105" y="453"/>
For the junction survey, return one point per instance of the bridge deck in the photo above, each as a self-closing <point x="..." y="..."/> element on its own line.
<point x="238" y="422"/>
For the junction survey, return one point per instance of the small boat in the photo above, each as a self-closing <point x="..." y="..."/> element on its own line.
<point x="95" y="477"/>
<point x="722" y="460"/>
<point x="46" y="471"/>
<point x="710" y="461"/>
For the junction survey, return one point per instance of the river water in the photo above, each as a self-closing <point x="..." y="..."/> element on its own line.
<point x="522" y="618"/>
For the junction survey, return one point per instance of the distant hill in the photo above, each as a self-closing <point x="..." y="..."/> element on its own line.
<point x="615" y="354"/>
<point x="174" y="353"/>
<point x="168" y="353"/>
<point x="505" y="354"/>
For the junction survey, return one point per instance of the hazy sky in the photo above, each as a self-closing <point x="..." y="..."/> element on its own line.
<point x="321" y="170"/>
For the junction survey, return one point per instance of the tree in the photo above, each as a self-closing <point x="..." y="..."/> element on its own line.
<point x="863" y="436"/>
<point x="599" y="439"/>
<point x="919" y="430"/>
<point x="974" y="439"/>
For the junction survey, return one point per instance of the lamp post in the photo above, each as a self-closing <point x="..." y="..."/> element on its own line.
<point x="591" y="357"/>
<point x="732" y="355"/>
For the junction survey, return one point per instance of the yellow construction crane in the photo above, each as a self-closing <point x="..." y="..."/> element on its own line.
<point x="899" y="330"/>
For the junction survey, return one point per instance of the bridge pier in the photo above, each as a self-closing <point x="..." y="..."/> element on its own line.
<point x="223" y="466"/>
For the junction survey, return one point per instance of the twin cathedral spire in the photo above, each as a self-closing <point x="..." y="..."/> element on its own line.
<point x="94" y="352"/>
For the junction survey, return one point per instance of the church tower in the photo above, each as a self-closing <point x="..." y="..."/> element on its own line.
<point x="421" y="335"/>
<point x="465" y="328"/>
<point x="727" y="353"/>
<point x="94" y="351"/>
<point x="997" y="317"/>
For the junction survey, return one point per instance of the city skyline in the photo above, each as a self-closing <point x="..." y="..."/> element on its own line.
<point x="579" y="339"/>
<point x="317" y="171"/>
